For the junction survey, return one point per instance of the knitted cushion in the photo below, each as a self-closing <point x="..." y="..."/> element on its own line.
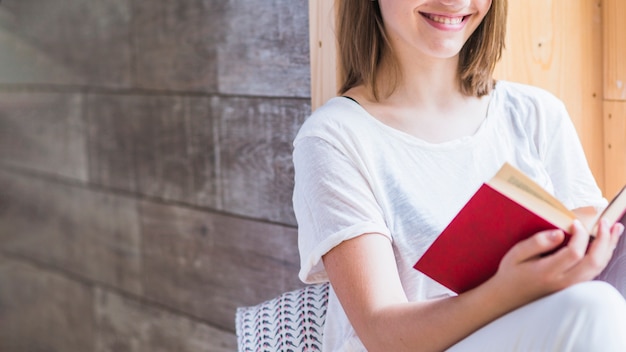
<point x="293" y="321"/>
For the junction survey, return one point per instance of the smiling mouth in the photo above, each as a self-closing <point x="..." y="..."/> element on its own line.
<point x="444" y="19"/>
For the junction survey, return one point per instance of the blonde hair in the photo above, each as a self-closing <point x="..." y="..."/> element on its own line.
<point x="362" y="45"/>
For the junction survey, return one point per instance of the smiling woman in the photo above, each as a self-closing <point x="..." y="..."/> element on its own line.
<point x="561" y="53"/>
<point x="381" y="169"/>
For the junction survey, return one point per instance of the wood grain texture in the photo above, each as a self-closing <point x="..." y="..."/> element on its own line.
<point x="556" y="45"/>
<point x="156" y="145"/>
<point x="203" y="152"/>
<point x="72" y="42"/>
<point x="128" y="325"/>
<point x="614" y="49"/>
<point x="174" y="44"/>
<point x="42" y="311"/>
<point x="265" y="50"/>
<point x="93" y="235"/>
<point x="323" y="49"/>
<point x="231" y="154"/>
<point x="255" y="137"/>
<point x="112" y="126"/>
<point x="615" y="146"/>
<point x="43" y="132"/>
<point x="207" y="264"/>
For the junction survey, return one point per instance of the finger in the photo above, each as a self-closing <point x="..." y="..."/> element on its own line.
<point x="535" y="246"/>
<point x="606" y="239"/>
<point x="579" y="242"/>
<point x="599" y="253"/>
<point x="617" y="232"/>
<point x="602" y="240"/>
<point x="568" y="256"/>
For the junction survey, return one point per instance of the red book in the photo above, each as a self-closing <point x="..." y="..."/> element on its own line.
<point x="507" y="209"/>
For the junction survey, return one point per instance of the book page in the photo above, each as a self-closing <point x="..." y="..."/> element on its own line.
<point x="614" y="211"/>
<point x="525" y="191"/>
<point x="518" y="179"/>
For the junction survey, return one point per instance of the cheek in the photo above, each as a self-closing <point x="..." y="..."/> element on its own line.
<point x="485" y="5"/>
<point x="396" y="17"/>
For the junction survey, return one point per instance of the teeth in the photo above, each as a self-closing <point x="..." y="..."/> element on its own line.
<point x="446" y="20"/>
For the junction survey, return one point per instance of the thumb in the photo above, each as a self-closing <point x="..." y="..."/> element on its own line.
<point x="535" y="246"/>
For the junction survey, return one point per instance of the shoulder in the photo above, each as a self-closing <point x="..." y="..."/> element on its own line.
<point x="524" y="95"/>
<point x="530" y="108"/>
<point x="337" y="119"/>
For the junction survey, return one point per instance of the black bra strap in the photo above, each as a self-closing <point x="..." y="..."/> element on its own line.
<point x="354" y="100"/>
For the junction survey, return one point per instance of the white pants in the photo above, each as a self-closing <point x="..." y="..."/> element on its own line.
<point x="587" y="317"/>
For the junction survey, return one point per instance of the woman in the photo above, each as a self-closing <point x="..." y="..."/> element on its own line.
<point x="383" y="168"/>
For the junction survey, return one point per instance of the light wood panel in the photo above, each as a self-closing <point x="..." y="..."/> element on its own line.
<point x="614" y="40"/>
<point x="614" y="50"/>
<point x="323" y="51"/>
<point x="615" y="144"/>
<point x="557" y="45"/>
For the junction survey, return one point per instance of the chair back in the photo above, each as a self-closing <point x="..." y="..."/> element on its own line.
<point x="293" y="321"/>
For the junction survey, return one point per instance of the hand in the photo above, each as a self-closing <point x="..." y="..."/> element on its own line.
<point x="525" y="274"/>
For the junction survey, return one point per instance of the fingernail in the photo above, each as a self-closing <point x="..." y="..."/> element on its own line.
<point x="620" y="228"/>
<point x="553" y="235"/>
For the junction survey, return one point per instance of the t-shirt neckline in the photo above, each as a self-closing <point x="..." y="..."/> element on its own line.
<point x="463" y="141"/>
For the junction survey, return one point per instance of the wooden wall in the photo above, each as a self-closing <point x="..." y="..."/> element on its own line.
<point x="614" y="93"/>
<point x="572" y="48"/>
<point x="557" y="45"/>
<point x="145" y="169"/>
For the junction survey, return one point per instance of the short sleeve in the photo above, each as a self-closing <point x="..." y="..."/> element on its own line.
<point x="333" y="202"/>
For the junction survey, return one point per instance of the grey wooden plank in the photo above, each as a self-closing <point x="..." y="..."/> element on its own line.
<point x="162" y="163"/>
<point x="255" y="142"/>
<point x="66" y="42"/>
<point x="91" y="234"/>
<point x="175" y="44"/>
<point x="128" y="325"/>
<point x="25" y="63"/>
<point x="112" y="128"/>
<point x="43" y="311"/>
<point x="203" y="153"/>
<point x="156" y="145"/>
<point x="265" y="50"/>
<point x="44" y="132"/>
<point x="208" y="264"/>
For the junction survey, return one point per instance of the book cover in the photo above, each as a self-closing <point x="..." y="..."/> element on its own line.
<point x="507" y="209"/>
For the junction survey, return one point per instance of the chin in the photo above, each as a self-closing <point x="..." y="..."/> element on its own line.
<point x="445" y="52"/>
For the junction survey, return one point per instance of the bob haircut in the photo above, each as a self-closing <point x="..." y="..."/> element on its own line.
<point x="362" y="44"/>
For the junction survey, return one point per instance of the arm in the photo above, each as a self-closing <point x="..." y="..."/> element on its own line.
<point x="364" y="276"/>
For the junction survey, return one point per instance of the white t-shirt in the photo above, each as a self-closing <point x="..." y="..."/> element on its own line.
<point x="356" y="175"/>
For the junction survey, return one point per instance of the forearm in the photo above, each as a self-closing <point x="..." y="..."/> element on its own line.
<point x="364" y="277"/>
<point x="436" y="324"/>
